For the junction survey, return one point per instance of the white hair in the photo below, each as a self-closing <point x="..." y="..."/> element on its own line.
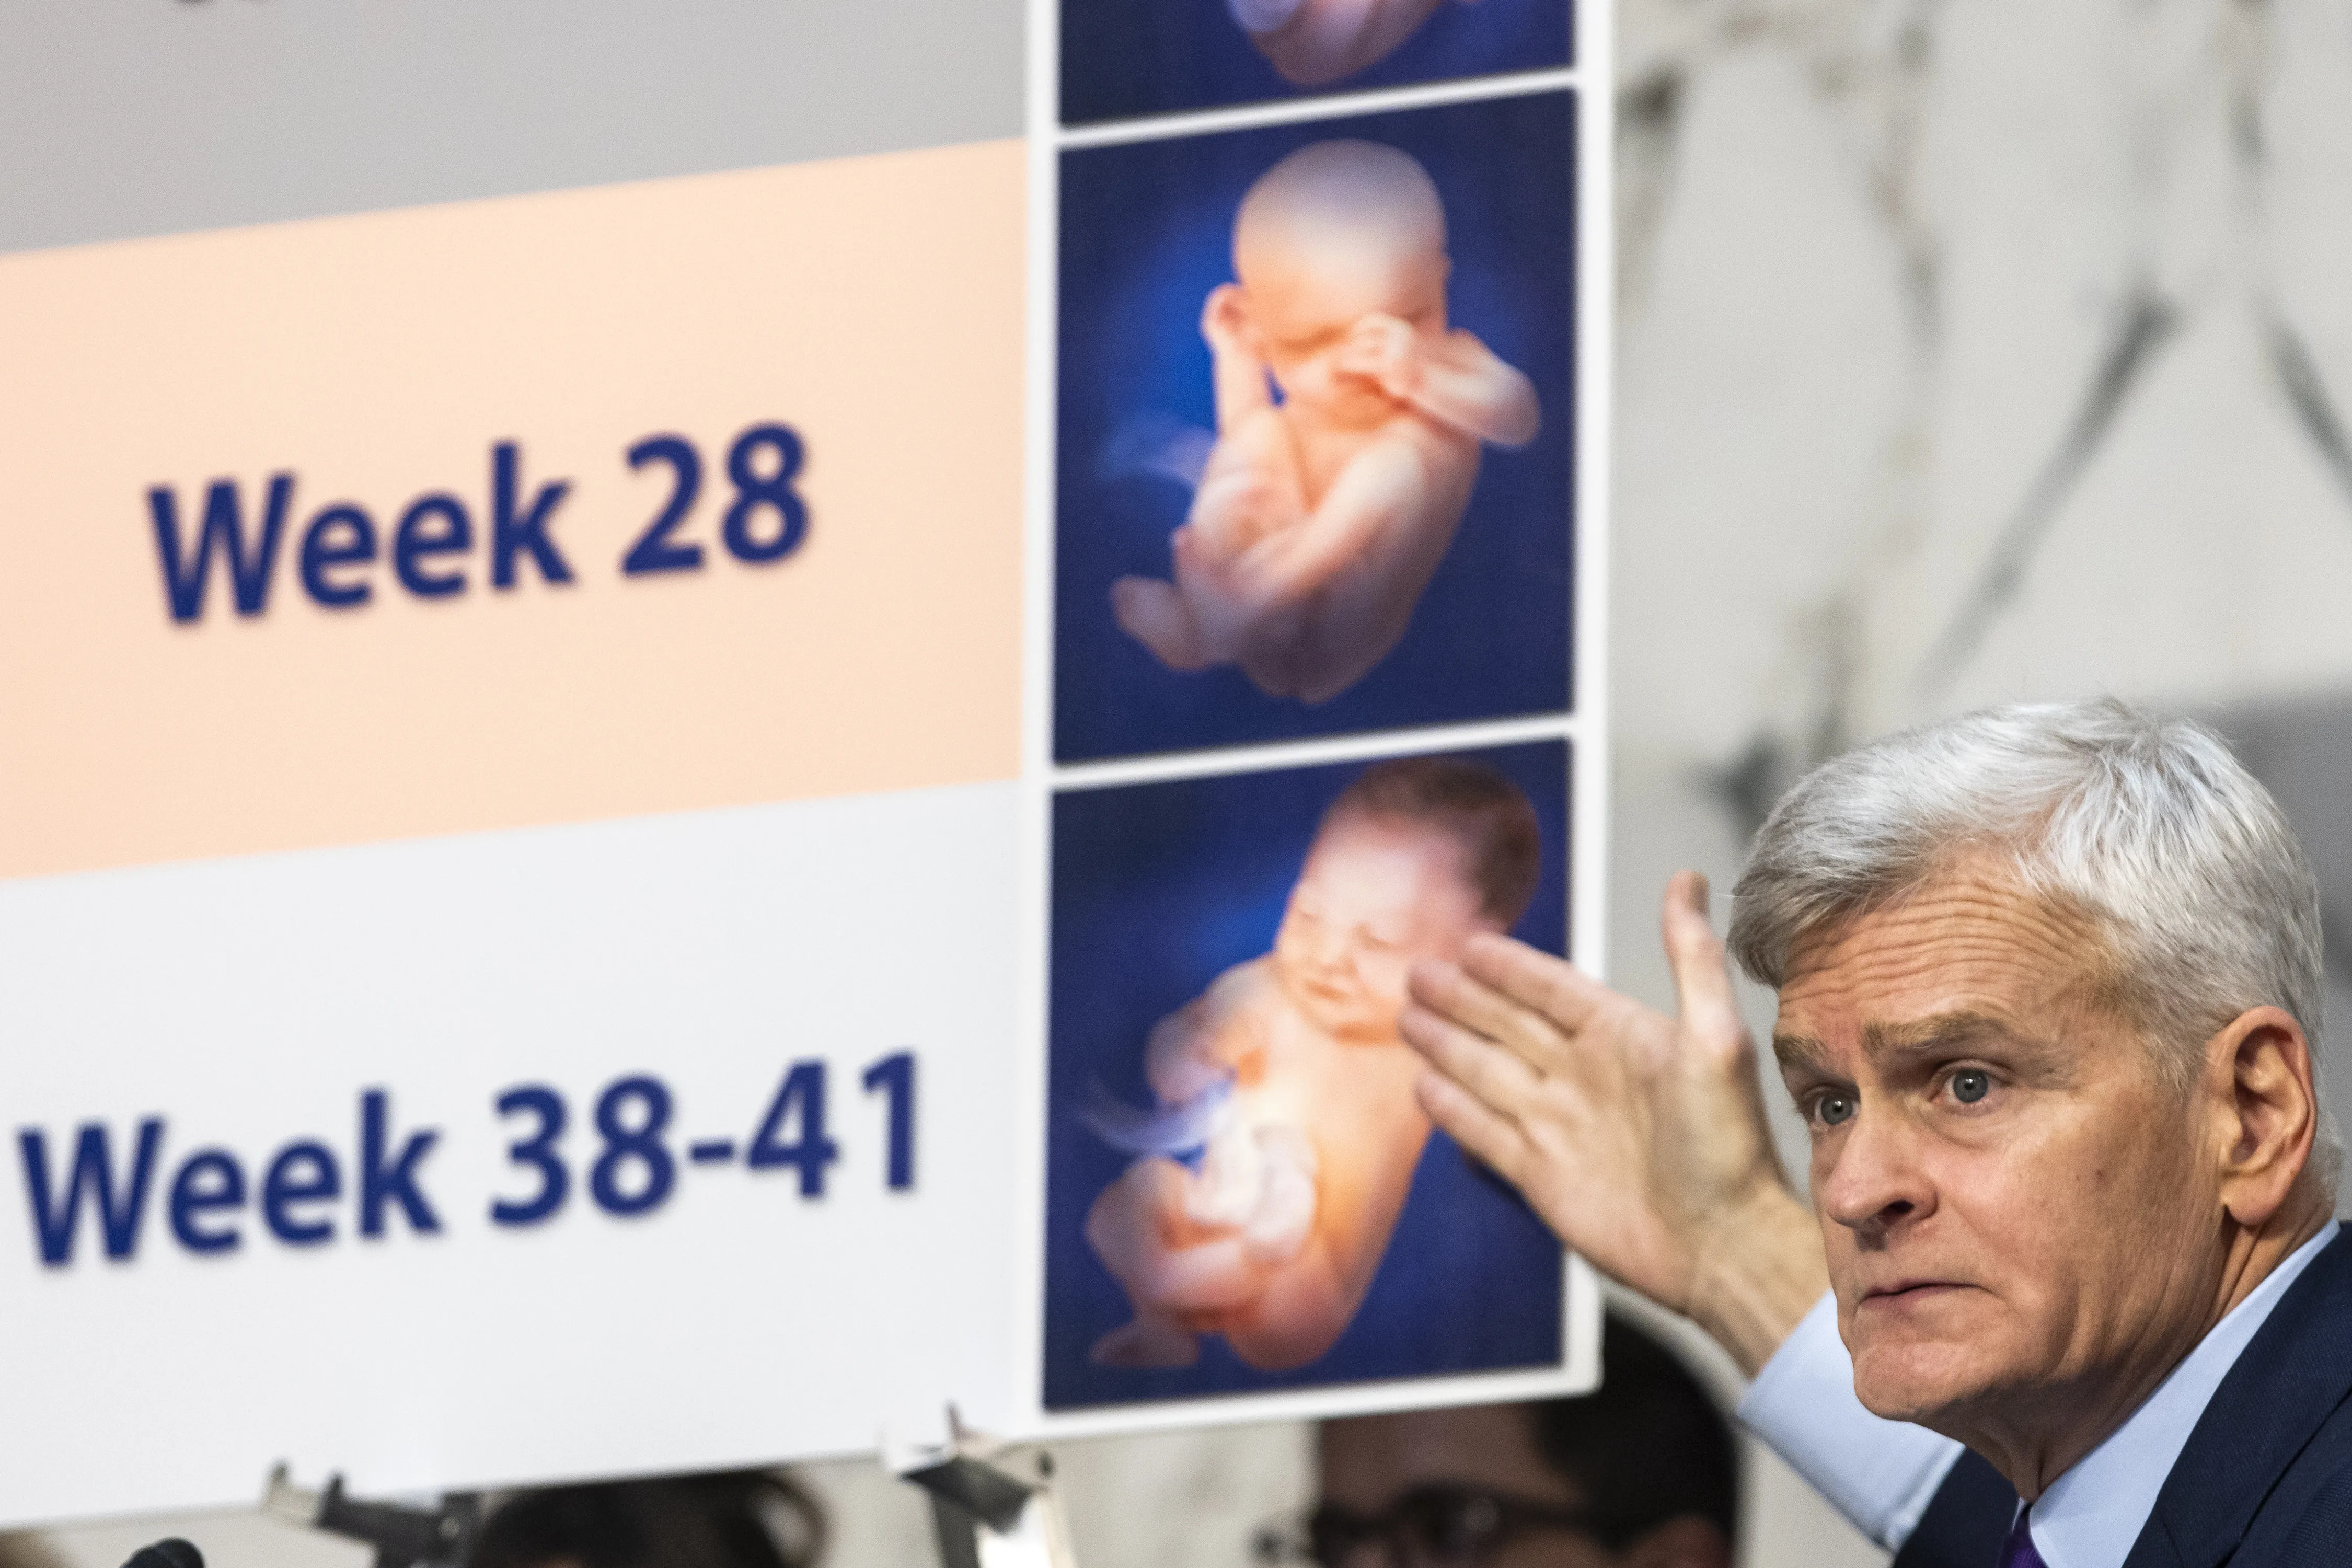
<point x="2149" y="826"/>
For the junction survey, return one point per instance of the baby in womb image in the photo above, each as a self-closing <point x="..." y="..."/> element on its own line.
<point x="1349" y="421"/>
<point x="1312" y="42"/>
<point x="1272" y="1170"/>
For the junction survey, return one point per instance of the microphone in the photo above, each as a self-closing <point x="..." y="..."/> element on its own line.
<point x="169" y="1552"/>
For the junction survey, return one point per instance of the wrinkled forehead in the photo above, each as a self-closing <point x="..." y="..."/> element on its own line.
<point x="1968" y="942"/>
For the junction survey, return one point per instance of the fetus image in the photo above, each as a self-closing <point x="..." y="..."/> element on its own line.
<point x="1312" y="42"/>
<point x="1272" y="1171"/>
<point x="1322" y="512"/>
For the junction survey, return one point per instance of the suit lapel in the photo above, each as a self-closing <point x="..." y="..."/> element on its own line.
<point x="2294" y="1371"/>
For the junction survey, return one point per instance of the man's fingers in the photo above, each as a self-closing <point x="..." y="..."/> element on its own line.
<point x="1702" y="979"/>
<point x="1533" y="978"/>
<point x="1445" y="989"/>
<point x="1427" y="981"/>
<point x="1494" y="1138"/>
<point x="1495" y="1074"/>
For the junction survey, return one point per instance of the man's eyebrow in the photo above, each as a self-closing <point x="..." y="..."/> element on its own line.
<point x="1920" y="1037"/>
<point x="1942" y="1032"/>
<point x="1801" y="1051"/>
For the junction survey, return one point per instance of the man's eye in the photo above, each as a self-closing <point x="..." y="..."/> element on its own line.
<point x="1832" y="1109"/>
<point x="1970" y="1085"/>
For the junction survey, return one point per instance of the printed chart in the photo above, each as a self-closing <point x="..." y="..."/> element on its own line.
<point x="716" y="731"/>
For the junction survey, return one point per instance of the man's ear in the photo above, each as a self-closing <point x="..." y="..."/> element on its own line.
<point x="1685" y="1541"/>
<point x="2259" y="1073"/>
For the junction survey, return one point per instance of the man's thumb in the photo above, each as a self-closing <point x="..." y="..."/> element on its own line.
<point x="1702" y="981"/>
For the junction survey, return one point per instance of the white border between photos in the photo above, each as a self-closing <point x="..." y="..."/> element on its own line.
<point x="1585" y="728"/>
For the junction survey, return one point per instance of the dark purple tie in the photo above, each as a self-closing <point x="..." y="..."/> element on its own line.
<point x="2017" y="1552"/>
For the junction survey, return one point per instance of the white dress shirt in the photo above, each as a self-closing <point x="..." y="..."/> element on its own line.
<point x="1883" y="1474"/>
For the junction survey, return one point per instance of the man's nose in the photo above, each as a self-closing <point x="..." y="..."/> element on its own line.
<point x="1873" y="1182"/>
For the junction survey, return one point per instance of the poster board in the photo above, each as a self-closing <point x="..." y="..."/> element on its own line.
<point x="612" y="763"/>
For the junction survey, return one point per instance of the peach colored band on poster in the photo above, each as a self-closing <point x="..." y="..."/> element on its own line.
<point x="872" y="304"/>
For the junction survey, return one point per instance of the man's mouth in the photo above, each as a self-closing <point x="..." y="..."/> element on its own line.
<point x="1908" y="1292"/>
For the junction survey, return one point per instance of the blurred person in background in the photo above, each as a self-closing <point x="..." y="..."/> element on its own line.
<point x="741" y="1518"/>
<point x="1640" y="1473"/>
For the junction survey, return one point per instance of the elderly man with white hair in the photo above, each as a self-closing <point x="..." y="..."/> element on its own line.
<point x="2071" y="1293"/>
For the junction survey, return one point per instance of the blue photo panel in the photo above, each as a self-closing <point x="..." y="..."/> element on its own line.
<point x="1354" y="511"/>
<point x="1122" y="58"/>
<point x="1241" y="1192"/>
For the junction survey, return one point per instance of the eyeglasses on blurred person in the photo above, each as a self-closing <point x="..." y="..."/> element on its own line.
<point x="1640" y="1474"/>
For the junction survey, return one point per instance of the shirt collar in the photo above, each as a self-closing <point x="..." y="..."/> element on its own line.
<point x="2091" y="1514"/>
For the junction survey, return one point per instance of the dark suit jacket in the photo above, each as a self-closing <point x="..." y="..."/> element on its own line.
<point x="2265" y="1479"/>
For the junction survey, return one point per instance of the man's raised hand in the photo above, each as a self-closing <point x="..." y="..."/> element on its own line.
<point x="1637" y="1137"/>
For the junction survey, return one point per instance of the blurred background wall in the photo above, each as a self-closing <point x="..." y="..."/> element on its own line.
<point x="1966" y="352"/>
<point x="1970" y="353"/>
